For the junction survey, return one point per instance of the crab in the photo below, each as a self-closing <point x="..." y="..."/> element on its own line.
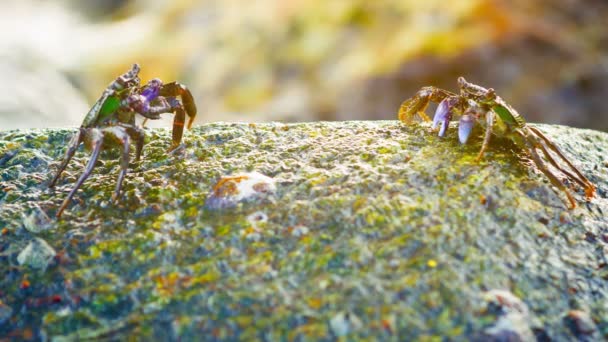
<point x="476" y="104"/>
<point x="112" y="120"/>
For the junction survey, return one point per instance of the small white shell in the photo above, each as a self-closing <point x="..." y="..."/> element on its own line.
<point x="232" y="190"/>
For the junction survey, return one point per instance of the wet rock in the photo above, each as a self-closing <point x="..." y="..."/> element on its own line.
<point x="352" y="225"/>
<point x="37" y="254"/>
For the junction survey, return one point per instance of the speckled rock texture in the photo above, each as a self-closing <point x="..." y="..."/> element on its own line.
<point x="363" y="230"/>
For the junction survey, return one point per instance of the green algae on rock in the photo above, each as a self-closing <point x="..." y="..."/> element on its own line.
<point x="375" y="230"/>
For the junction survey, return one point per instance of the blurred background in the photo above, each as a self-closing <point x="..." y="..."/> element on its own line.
<point x="304" y="60"/>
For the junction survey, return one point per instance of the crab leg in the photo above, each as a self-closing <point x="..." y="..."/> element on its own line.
<point x="186" y="107"/>
<point x="581" y="179"/>
<point x="138" y="134"/>
<point x="178" y="127"/>
<point x="122" y="136"/>
<point x="552" y="161"/>
<point x="490" y="117"/>
<point x="139" y="142"/>
<point x="97" y="141"/>
<point x="543" y="167"/>
<point x="74" y="143"/>
<point x="417" y="104"/>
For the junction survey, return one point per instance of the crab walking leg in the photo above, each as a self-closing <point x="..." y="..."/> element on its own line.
<point x="589" y="187"/>
<point x="139" y="140"/>
<point x="418" y="103"/>
<point x="120" y="134"/>
<point x="69" y="153"/>
<point x="490" y="118"/>
<point x="138" y="134"/>
<point x="552" y="161"/>
<point x="543" y="167"/>
<point x="96" y="142"/>
<point x="178" y="127"/>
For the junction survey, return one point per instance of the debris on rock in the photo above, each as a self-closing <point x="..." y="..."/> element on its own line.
<point x="299" y="231"/>
<point x="503" y="302"/>
<point x="37" y="221"/>
<point x="257" y="219"/>
<point x="509" y="327"/>
<point x="512" y="318"/>
<point x="37" y="254"/>
<point x="5" y="312"/>
<point x="229" y="191"/>
<point x="344" y="323"/>
<point x="580" y="323"/>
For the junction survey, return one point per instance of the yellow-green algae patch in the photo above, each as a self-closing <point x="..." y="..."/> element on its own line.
<point x="375" y="230"/>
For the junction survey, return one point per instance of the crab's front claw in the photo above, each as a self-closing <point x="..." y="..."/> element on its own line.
<point x="443" y="115"/>
<point x="177" y="89"/>
<point x="187" y="107"/>
<point x="465" y="127"/>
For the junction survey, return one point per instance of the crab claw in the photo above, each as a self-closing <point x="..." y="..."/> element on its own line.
<point x="443" y="115"/>
<point x="152" y="89"/>
<point x="465" y="126"/>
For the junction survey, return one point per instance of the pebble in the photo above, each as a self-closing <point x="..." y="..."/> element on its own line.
<point x="513" y="318"/>
<point x="37" y="254"/>
<point x="580" y="323"/>
<point x="229" y="191"/>
<point x="5" y="312"/>
<point x="502" y="301"/>
<point x="37" y="221"/>
<point x="344" y="323"/>
<point x="299" y="231"/>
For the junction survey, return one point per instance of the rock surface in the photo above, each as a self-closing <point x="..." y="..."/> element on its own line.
<point x="400" y="229"/>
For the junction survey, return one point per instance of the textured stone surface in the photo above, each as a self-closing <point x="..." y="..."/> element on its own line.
<point x="374" y="229"/>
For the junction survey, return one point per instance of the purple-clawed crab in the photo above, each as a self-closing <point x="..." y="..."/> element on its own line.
<point x="112" y="120"/>
<point x="478" y="104"/>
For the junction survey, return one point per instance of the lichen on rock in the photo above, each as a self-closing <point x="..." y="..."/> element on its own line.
<point x="389" y="223"/>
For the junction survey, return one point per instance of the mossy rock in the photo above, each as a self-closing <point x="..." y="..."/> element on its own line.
<point x="372" y="230"/>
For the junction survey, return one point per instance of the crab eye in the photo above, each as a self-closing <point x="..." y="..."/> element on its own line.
<point x="132" y="82"/>
<point x="491" y="94"/>
<point x="155" y="83"/>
